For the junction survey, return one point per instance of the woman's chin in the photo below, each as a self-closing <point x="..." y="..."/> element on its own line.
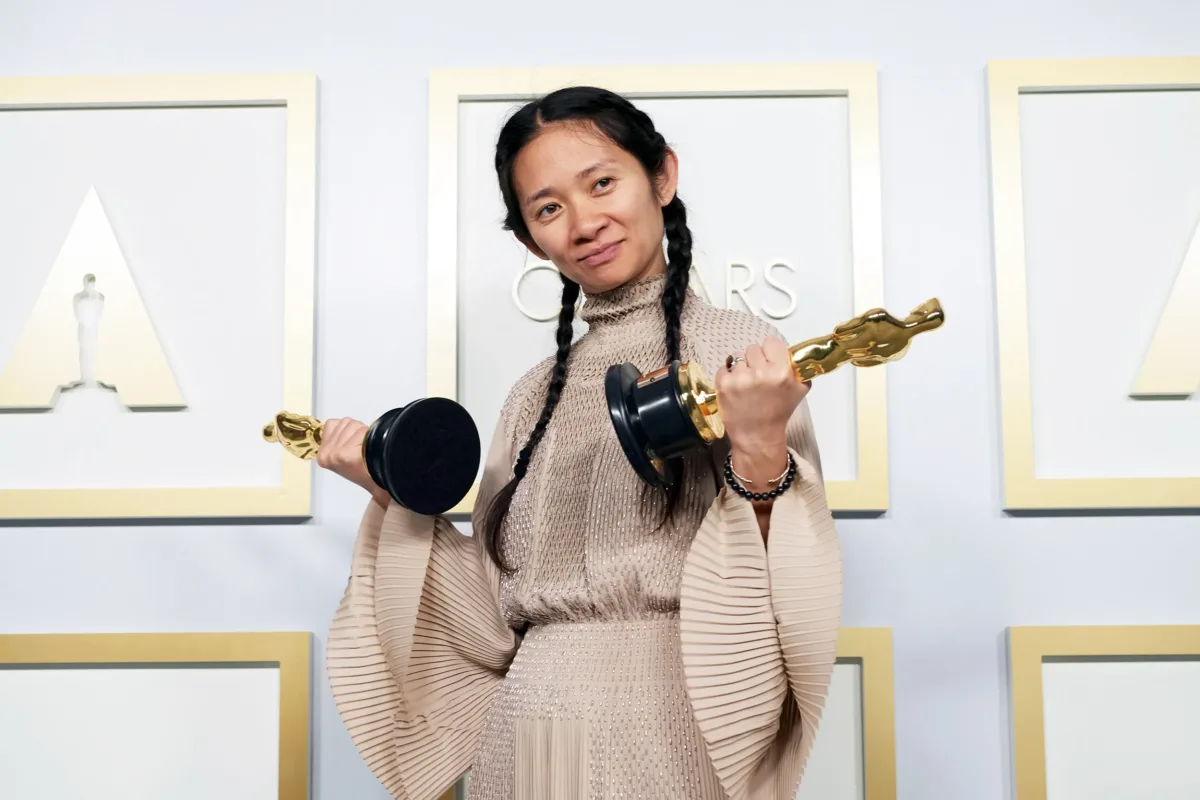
<point x="608" y="277"/>
<point x="601" y="280"/>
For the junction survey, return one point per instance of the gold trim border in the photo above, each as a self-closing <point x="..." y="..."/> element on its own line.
<point x="298" y="93"/>
<point x="1029" y="647"/>
<point x="856" y="81"/>
<point x="1007" y="80"/>
<point x="871" y="649"/>
<point x="290" y="651"/>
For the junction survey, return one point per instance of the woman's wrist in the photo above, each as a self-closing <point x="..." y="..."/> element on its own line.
<point x="758" y="463"/>
<point x="379" y="495"/>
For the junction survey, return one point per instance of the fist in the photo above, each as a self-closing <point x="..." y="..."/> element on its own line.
<point x="758" y="396"/>
<point x="341" y="451"/>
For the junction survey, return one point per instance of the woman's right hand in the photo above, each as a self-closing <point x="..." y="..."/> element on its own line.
<point x="341" y="453"/>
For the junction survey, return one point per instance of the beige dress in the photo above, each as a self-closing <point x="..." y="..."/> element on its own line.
<point x="687" y="660"/>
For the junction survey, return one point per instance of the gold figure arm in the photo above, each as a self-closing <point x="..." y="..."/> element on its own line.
<point x="300" y="435"/>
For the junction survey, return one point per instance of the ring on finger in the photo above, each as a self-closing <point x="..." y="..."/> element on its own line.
<point x="729" y="362"/>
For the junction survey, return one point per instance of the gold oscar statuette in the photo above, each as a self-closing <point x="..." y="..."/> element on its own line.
<point x="665" y="413"/>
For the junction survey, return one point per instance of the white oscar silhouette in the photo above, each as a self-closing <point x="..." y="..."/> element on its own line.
<point x="89" y="306"/>
<point x="101" y="345"/>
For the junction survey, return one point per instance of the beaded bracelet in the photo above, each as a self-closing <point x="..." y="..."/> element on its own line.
<point x="733" y="484"/>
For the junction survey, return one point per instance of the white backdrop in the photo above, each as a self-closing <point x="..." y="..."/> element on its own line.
<point x="944" y="568"/>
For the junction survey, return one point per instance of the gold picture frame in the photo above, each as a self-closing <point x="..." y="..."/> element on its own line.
<point x="1007" y="81"/>
<point x="289" y="651"/>
<point x="1029" y="647"/>
<point x="871" y="649"/>
<point x="858" y="82"/>
<point x="298" y="94"/>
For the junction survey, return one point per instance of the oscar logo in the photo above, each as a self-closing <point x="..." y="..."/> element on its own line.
<point x="96" y="341"/>
<point x="665" y="413"/>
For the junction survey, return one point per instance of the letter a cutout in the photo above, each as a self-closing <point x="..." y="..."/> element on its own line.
<point x="89" y="326"/>
<point x="1172" y="365"/>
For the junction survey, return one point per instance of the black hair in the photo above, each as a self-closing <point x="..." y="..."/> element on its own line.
<point x="631" y="129"/>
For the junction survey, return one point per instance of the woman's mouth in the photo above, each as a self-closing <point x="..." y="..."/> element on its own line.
<point x="602" y="256"/>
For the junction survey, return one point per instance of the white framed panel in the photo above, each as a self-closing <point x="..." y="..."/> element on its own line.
<point x="141" y="716"/>
<point x="811" y="261"/>
<point x="1127" y="697"/>
<point x="157" y="234"/>
<point x="1149" y="737"/>
<point x="140" y="734"/>
<point x="1097" y="247"/>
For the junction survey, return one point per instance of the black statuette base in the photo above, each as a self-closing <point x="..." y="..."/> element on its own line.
<point x="425" y="454"/>
<point x="650" y="420"/>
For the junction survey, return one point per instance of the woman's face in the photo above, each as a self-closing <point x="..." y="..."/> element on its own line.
<point x="590" y="208"/>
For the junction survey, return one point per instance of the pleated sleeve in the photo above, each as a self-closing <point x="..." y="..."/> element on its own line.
<point x="759" y="628"/>
<point x="418" y="644"/>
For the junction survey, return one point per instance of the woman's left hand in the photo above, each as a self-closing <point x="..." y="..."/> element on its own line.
<point x="757" y="398"/>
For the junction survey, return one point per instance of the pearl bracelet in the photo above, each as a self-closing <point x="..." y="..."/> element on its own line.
<point x="731" y="479"/>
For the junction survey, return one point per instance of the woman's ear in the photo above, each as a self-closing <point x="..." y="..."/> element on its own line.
<point x="668" y="178"/>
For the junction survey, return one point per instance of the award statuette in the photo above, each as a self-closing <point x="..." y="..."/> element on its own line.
<point x="665" y="413"/>
<point x="425" y="454"/>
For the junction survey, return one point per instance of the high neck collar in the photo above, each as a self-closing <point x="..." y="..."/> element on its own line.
<point x="639" y="300"/>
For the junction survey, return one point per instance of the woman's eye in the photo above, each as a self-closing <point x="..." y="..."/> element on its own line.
<point x="546" y="209"/>
<point x="603" y="183"/>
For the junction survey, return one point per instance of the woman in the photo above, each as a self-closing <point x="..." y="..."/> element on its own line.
<point x="596" y="638"/>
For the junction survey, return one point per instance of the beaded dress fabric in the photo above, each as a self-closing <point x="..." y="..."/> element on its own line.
<point x="631" y="653"/>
